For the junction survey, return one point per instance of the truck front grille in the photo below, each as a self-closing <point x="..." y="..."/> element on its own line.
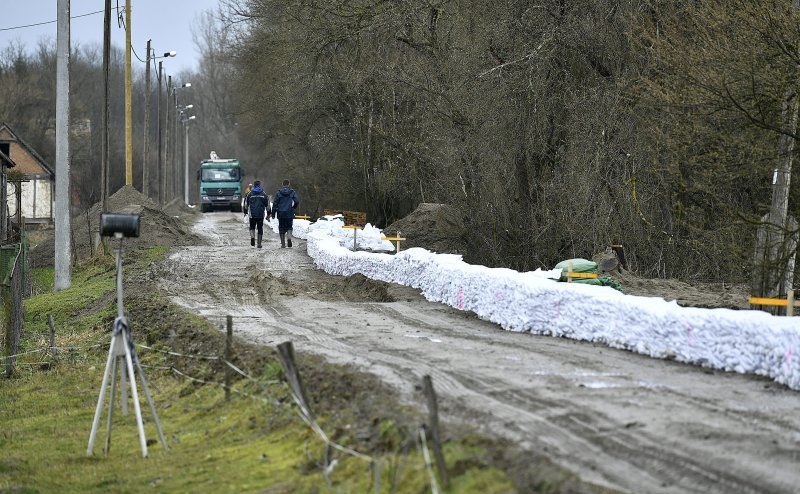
<point x="221" y="191"/>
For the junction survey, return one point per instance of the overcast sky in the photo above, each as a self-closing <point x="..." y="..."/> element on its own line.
<point x="167" y="22"/>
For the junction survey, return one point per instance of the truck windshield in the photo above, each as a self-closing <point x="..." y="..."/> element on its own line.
<point x="220" y="175"/>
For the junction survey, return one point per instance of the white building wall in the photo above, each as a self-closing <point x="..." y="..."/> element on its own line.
<point x="37" y="199"/>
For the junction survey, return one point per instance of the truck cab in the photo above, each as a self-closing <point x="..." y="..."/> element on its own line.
<point x="220" y="184"/>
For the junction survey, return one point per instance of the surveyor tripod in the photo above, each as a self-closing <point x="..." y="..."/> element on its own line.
<point x="122" y="353"/>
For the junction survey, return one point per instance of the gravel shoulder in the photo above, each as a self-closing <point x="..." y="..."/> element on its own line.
<point x="615" y="418"/>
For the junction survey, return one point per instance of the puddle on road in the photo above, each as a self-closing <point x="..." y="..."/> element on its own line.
<point x="418" y="336"/>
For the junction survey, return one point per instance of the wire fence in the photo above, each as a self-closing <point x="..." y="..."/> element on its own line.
<point x="303" y="412"/>
<point x="13" y="268"/>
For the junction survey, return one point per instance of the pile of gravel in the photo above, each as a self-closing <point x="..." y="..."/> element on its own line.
<point x="436" y="227"/>
<point x="157" y="228"/>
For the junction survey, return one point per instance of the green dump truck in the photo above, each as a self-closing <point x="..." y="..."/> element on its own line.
<point x="220" y="184"/>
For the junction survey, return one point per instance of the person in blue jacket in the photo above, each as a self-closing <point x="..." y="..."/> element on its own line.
<point x="257" y="204"/>
<point x="284" y="204"/>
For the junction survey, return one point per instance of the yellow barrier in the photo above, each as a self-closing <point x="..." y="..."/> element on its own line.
<point x="397" y="238"/>
<point x="302" y="217"/>
<point x="789" y="302"/>
<point x="580" y="275"/>
<point x="769" y="301"/>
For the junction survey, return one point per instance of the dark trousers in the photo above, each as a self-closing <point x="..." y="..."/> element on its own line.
<point x="257" y="222"/>
<point x="284" y="224"/>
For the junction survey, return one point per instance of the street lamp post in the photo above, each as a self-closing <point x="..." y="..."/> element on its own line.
<point x="160" y="157"/>
<point x="167" y="147"/>
<point x="145" y="175"/>
<point x="185" y="121"/>
<point x="175" y="164"/>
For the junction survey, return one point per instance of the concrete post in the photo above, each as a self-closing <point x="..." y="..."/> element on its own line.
<point x="63" y="255"/>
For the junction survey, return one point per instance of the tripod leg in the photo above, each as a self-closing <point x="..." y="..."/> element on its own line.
<point x="123" y="387"/>
<point x="96" y="421"/>
<point x="136" y="407"/>
<point x="111" y="404"/>
<point x="150" y="401"/>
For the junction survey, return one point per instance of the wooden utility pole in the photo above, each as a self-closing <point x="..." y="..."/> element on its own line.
<point x="104" y="138"/>
<point x="128" y="98"/>
<point x="161" y="179"/>
<point x="167" y="146"/>
<point x="63" y="255"/>
<point x="145" y="177"/>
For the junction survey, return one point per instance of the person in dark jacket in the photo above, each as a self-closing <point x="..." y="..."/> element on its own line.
<point x="257" y="204"/>
<point x="284" y="205"/>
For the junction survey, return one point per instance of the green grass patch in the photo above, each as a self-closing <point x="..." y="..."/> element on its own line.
<point x="245" y="445"/>
<point x="254" y="443"/>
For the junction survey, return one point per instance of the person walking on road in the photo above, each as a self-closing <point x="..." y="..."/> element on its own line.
<point x="283" y="206"/>
<point x="244" y="201"/>
<point x="257" y="204"/>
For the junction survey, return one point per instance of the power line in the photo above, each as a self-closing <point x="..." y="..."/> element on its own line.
<point x="121" y="21"/>
<point x="49" y="22"/>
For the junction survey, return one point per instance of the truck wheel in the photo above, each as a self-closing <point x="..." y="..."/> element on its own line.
<point x="236" y="207"/>
<point x="205" y="208"/>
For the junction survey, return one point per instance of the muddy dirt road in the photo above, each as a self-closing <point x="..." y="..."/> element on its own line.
<point x="615" y="418"/>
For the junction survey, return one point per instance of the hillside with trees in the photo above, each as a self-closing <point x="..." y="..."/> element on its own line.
<point x="556" y="129"/>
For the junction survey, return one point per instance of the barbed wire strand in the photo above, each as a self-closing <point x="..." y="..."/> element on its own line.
<point x="22" y="353"/>
<point x="301" y="411"/>
<point x="178" y="354"/>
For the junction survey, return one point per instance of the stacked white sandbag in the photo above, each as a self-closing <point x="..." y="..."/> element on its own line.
<point x="742" y="341"/>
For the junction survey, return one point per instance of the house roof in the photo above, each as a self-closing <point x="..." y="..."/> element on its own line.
<point x="15" y="137"/>
<point x="5" y="159"/>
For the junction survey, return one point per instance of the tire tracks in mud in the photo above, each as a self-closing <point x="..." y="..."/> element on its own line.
<point x="608" y="442"/>
<point x="615" y="418"/>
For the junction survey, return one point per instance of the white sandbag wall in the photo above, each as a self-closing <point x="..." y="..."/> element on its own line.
<point x="367" y="238"/>
<point x="741" y="341"/>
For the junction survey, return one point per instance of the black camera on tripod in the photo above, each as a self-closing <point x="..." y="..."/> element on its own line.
<point x="119" y="225"/>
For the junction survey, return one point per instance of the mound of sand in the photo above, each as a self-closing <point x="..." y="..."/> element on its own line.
<point x="706" y="295"/>
<point x="156" y="228"/>
<point x="177" y="207"/>
<point x="436" y="227"/>
<point x="359" y="288"/>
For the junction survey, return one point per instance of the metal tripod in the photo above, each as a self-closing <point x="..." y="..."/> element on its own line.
<point x="122" y="352"/>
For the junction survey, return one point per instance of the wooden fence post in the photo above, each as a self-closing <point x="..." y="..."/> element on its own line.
<point x="790" y="303"/>
<point x="173" y="346"/>
<point x="433" y="424"/>
<point x="53" y="351"/>
<point x="228" y="370"/>
<point x="286" y="354"/>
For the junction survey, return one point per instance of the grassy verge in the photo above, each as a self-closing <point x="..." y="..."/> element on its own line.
<point x="253" y="443"/>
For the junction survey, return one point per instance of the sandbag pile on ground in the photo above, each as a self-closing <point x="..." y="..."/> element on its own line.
<point x="580" y="265"/>
<point x="367" y="238"/>
<point x="742" y="341"/>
